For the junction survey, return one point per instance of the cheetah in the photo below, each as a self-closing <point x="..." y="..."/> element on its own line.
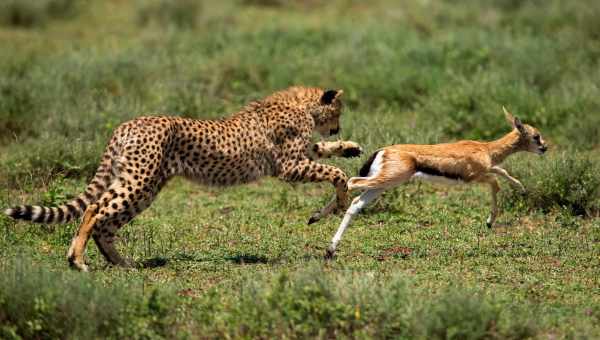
<point x="269" y="137"/>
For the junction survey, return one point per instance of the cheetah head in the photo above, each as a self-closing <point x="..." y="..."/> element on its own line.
<point x="326" y="113"/>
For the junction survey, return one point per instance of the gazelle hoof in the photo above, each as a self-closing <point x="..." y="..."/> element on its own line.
<point x="329" y="254"/>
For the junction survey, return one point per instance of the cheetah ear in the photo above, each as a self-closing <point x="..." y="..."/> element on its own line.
<point x="330" y="95"/>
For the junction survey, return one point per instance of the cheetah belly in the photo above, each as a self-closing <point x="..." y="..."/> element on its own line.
<point x="221" y="170"/>
<point x="224" y="156"/>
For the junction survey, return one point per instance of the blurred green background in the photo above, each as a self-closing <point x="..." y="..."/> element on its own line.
<point x="415" y="71"/>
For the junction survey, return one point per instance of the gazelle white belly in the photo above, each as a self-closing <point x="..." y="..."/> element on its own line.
<point x="421" y="176"/>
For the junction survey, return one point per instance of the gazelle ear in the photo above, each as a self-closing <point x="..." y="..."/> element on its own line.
<point x="518" y="125"/>
<point x="509" y="117"/>
<point x="513" y="121"/>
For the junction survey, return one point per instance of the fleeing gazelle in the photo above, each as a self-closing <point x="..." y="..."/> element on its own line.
<point x="463" y="162"/>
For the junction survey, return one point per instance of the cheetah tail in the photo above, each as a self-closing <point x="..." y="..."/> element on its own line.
<point x="68" y="211"/>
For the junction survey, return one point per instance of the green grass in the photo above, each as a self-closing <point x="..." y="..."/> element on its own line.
<point x="241" y="261"/>
<point x="30" y="14"/>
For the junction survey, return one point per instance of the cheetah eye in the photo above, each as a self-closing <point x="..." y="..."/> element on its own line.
<point x="536" y="137"/>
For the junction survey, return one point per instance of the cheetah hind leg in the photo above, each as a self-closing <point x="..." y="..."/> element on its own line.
<point x="104" y="236"/>
<point x="119" y="210"/>
<point x="77" y="249"/>
<point x="106" y="245"/>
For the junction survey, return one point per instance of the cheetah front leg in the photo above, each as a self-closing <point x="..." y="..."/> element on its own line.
<point x="338" y="148"/>
<point x="309" y="171"/>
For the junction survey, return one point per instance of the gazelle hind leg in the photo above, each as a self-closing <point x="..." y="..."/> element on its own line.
<point x="385" y="173"/>
<point x="386" y="170"/>
<point x="357" y="205"/>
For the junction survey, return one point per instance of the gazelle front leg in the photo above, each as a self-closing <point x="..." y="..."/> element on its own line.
<point x="494" y="188"/>
<point x="502" y="172"/>
<point x="357" y="205"/>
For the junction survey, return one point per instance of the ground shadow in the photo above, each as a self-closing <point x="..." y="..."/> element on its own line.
<point x="154" y="262"/>
<point x="234" y="258"/>
<point x="247" y="259"/>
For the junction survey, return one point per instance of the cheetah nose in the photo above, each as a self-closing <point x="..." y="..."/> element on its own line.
<point x="334" y="131"/>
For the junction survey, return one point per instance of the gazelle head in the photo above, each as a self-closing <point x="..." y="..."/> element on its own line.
<point x="530" y="138"/>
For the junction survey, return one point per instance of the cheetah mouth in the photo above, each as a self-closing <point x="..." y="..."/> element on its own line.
<point x="542" y="150"/>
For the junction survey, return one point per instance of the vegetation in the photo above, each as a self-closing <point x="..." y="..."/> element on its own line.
<point x="241" y="262"/>
<point x="30" y="13"/>
<point x="38" y="303"/>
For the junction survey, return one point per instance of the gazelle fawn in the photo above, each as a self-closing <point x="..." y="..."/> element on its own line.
<point x="462" y="162"/>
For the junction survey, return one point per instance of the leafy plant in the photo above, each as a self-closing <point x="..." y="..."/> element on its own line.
<point x="182" y="14"/>
<point x="35" y="13"/>
<point x="38" y="303"/>
<point x="568" y="182"/>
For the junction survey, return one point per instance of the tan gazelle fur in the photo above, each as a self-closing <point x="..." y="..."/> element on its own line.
<point x="462" y="162"/>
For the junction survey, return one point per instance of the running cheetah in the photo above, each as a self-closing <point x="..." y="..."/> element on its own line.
<point x="270" y="137"/>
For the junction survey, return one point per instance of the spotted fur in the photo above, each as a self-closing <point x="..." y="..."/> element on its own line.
<point x="270" y="137"/>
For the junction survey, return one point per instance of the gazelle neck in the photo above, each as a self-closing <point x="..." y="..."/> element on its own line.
<point x="504" y="147"/>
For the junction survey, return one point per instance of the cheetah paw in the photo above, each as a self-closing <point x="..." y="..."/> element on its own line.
<point x="351" y="149"/>
<point x="314" y="218"/>
<point x="78" y="265"/>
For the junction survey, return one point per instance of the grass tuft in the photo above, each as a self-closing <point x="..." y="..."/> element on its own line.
<point x="39" y="303"/>
<point x="37" y="13"/>
<point x="182" y="14"/>
<point x="314" y="303"/>
<point x="566" y="181"/>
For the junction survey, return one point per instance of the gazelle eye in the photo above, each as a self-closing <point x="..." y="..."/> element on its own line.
<point x="536" y="137"/>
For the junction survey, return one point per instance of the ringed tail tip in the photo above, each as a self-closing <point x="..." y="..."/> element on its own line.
<point x="9" y="212"/>
<point x="19" y="212"/>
